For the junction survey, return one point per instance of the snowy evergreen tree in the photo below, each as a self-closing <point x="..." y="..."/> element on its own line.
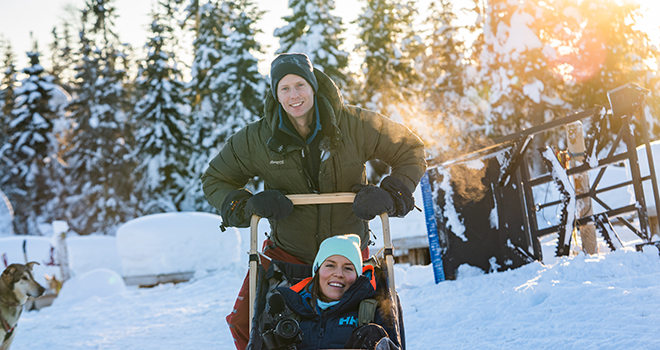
<point x="207" y="45"/>
<point x="100" y="171"/>
<point x="385" y="25"/>
<point x="236" y="82"/>
<point x="7" y="86"/>
<point x="444" y="64"/>
<point x="522" y="89"/>
<point x="313" y="30"/>
<point x="61" y="59"/>
<point x="235" y="91"/>
<point x="451" y="123"/>
<point x="29" y="154"/>
<point x="608" y="50"/>
<point x="162" y="144"/>
<point x="208" y="40"/>
<point x="386" y="69"/>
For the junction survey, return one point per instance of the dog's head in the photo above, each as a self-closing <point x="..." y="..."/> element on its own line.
<point x="20" y="280"/>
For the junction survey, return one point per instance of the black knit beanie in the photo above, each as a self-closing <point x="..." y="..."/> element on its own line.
<point x="292" y="63"/>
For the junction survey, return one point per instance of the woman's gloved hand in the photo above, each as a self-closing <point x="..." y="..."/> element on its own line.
<point x="366" y="337"/>
<point x="392" y="197"/>
<point x="270" y="204"/>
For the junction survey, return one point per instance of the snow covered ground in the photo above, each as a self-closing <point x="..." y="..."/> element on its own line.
<point x="607" y="301"/>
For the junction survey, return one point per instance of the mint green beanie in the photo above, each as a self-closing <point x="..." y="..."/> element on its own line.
<point x="347" y="246"/>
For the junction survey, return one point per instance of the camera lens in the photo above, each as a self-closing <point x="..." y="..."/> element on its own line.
<point x="287" y="328"/>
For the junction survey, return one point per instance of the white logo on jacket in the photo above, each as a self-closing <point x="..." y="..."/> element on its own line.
<point x="277" y="162"/>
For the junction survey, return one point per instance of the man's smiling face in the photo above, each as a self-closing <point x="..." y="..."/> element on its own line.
<point x="296" y="96"/>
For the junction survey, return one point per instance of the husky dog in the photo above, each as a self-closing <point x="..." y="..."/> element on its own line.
<point x="16" y="285"/>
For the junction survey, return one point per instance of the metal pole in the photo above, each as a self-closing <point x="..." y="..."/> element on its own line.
<point x="654" y="178"/>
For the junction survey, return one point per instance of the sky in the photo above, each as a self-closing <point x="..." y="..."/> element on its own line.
<point x="607" y="301"/>
<point x="19" y="18"/>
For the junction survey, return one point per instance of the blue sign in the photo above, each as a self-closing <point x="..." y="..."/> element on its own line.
<point x="432" y="230"/>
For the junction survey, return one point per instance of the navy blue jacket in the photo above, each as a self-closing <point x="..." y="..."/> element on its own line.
<point x="330" y="329"/>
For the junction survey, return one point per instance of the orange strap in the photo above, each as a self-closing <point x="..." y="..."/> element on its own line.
<point x="373" y="274"/>
<point x="300" y="285"/>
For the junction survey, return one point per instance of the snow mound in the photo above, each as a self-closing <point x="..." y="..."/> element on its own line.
<point x="100" y="283"/>
<point x="87" y="253"/>
<point x="175" y="243"/>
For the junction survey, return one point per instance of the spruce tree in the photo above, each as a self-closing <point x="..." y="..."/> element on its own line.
<point x="446" y="59"/>
<point x="100" y="170"/>
<point x="610" y="51"/>
<point x="29" y="153"/>
<point x="236" y="80"/>
<point x="162" y="143"/>
<point x="7" y="87"/>
<point x="515" y="67"/>
<point x="313" y="30"/>
<point x="450" y="115"/>
<point x="211" y="31"/>
<point x="236" y="91"/>
<point x="61" y="59"/>
<point x="207" y="45"/>
<point x="386" y="70"/>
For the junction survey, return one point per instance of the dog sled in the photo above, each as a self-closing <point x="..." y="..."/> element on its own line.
<point x="266" y="274"/>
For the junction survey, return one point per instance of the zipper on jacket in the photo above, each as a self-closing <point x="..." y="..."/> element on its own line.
<point x="321" y="332"/>
<point x="305" y="158"/>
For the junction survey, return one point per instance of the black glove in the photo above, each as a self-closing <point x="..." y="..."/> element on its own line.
<point x="386" y="344"/>
<point x="403" y="199"/>
<point x="392" y="197"/>
<point x="232" y="209"/>
<point x="270" y="204"/>
<point x="366" y="337"/>
<point x="371" y="201"/>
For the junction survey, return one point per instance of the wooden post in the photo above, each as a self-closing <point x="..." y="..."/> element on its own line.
<point x="60" y="228"/>
<point x="575" y="137"/>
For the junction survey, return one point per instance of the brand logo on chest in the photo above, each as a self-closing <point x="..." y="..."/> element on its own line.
<point x="277" y="162"/>
<point x="350" y="320"/>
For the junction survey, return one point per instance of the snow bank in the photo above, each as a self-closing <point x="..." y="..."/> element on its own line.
<point x="605" y="301"/>
<point x="100" y="283"/>
<point x="87" y="253"/>
<point x="174" y="243"/>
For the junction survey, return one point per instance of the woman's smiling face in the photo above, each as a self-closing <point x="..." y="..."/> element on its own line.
<point x="336" y="274"/>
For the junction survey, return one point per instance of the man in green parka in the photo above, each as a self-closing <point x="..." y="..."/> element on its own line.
<point x="309" y="141"/>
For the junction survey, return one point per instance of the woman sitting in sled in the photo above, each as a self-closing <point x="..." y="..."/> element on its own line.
<point x="326" y="311"/>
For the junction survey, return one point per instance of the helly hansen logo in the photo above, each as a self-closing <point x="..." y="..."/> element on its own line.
<point x="277" y="162"/>
<point x="350" y="320"/>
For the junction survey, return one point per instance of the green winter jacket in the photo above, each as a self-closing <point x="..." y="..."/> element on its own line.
<point x="350" y="137"/>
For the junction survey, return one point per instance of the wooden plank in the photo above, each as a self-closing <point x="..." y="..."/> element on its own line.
<point x="152" y="280"/>
<point x="411" y="242"/>
<point x="322" y="198"/>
